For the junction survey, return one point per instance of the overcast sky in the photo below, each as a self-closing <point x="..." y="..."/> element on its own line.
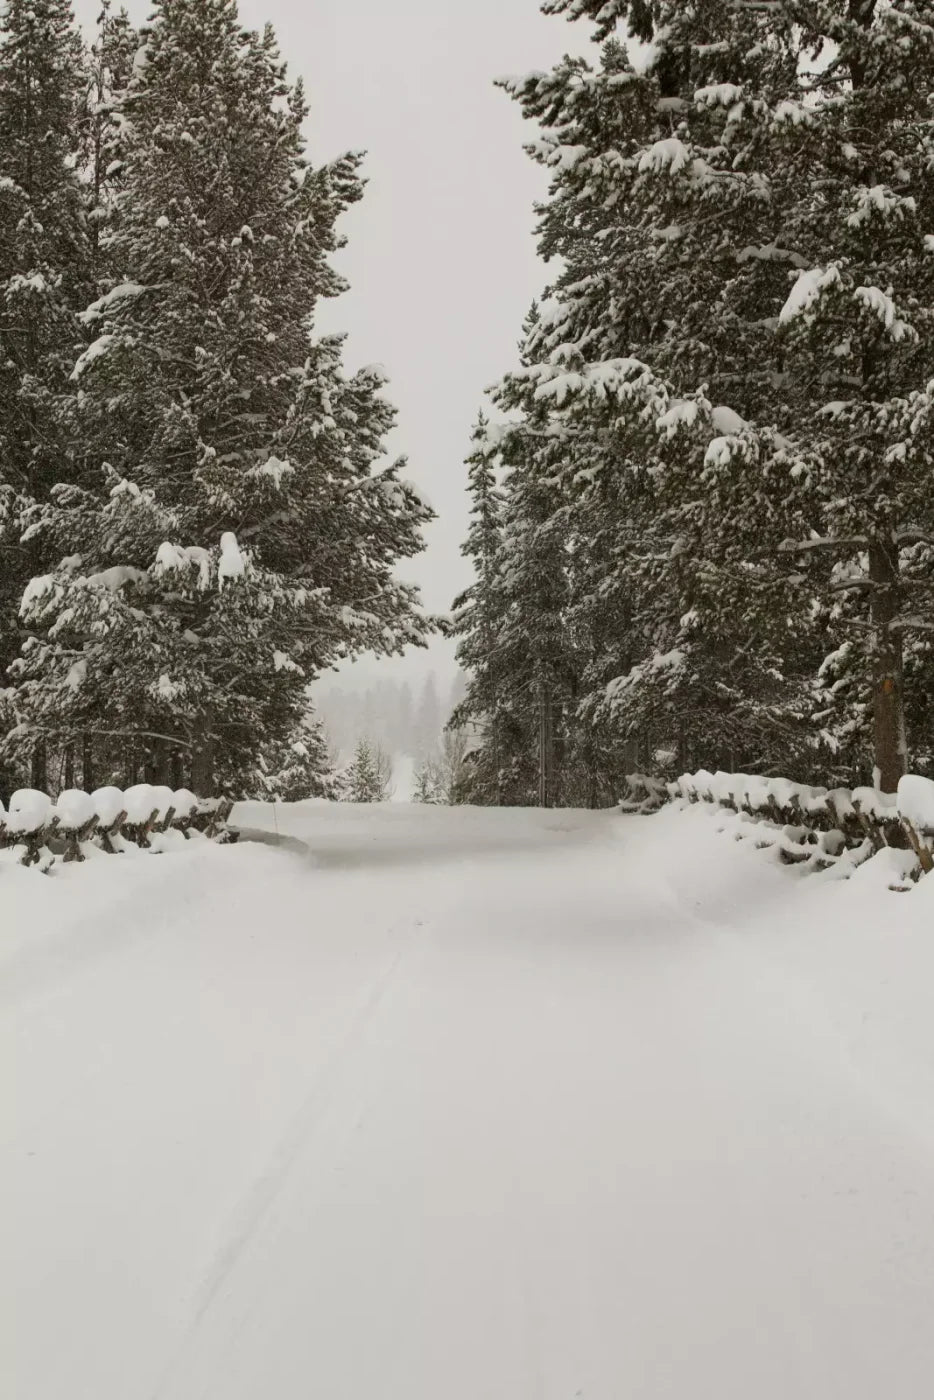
<point x="441" y="258"/>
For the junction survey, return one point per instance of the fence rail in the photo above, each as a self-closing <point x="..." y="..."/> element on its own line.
<point x="819" y="825"/>
<point x="38" y="831"/>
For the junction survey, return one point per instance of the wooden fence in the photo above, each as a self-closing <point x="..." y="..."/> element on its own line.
<point x="38" y="831"/>
<point x="822" y="826"/>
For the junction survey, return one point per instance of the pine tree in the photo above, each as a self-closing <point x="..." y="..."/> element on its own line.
<point x="784" y="150"/>
<point x="241" y="535"/>
<point x="109" y="72"/>
<point x="428" y="717"/>
<point x="44" y="279"/>
<point x="425" y="789"/>
<point x="651" y="382"/>
<point x="299" y="768"/>
<point x="369" y="776"/>
<point x="857" y="337"/>
<point x="478" y="616"/>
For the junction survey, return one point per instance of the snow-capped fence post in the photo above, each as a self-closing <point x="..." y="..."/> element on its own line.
<point x="40" y="832"/>
<point x="805" y="824"/>
<point x="74" y="839"/>
<point x="925" y="858"/>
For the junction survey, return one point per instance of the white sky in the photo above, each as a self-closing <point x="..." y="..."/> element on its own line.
<point x="441" y="258"/>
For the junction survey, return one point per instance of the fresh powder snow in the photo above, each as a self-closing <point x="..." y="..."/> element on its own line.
<point x="461" y="1104"/>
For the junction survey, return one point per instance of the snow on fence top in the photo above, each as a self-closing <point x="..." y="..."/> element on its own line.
<point x="38" y="829"/>
<point x="809" y="823"/>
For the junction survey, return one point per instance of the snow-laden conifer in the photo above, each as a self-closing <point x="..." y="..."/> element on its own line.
<point x="44" y="278"/>
<point x="222" y="430"/>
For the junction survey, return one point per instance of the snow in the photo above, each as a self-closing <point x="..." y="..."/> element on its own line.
<point x="94" y="352"/>
<point x="807" y="291"/>
<point x="77" y="675"/>
<point x="116" y="577"/>
<point x="718" y="95"/>
<point x="466" y="1104"/>
<point x="680" y="413"/>
<point x="232" y="564"/>
<point x="74" y="809"/>
<point x="139" y="803"/>
<point x="881" y="305"/>
<point x="167" y="689"/>
<point x="916" y="801"/>
<point x="793" y="114"/>
<point x="36" y="590"/>
<point x="123" y="292"/>
<point x="719" y="452"/>
<point x="727" y="420"/>
<point x="667" y="156"/>
<point x="274" y="469"/>
<point x="28" y="810"/>
<point x="175" y="558"/>
<point x="283" y="662"/>
<point x="108" y="804"/>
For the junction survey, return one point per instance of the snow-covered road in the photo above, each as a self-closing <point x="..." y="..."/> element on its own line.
<point x="465" y="1105"/>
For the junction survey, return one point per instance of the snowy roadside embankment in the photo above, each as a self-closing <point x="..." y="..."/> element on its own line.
<point x="641" y="1108"/>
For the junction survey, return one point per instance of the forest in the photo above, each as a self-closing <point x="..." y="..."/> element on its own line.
<point x="701" y="530"/>
<point x="702" y="519"/>
<point x="195" y="515"/>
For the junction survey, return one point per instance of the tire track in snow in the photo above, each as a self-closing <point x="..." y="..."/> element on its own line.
<point x="249" y="1218"/>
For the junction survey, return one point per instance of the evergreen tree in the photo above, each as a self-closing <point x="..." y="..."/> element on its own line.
<point x="45" y="276"/>
<point x="428" y="718"/>
<point x="299" y="768"/>
<point x="109" y="72"/>
<point x="369" y="776"/>
<point x="242" y="534"/>
<point x="857" y="333"/>
<point x="693" y="425"/>
<point x="425" y="790"/>
<point x="478" y="617"/>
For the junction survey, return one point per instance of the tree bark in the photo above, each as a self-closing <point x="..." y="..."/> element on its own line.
<point x="546" y="756"/>
<point x="40" y="774"/>
<point x="202" y="760"/>
<point x="87" y="763"/>
<point x="177" y="769"/>
<point x="890" y="750"/>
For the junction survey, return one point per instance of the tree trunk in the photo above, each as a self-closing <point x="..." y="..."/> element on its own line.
<point x="890" y="750"/>
<point x="202" y="760"/>
<point x="87" y="763"/>
<point x="157" y="762"/>
<point x="69" y="779"/>
<point x="546" y="755"/>
<point x="40" y="775"/>
<point x="177" y="777"/>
